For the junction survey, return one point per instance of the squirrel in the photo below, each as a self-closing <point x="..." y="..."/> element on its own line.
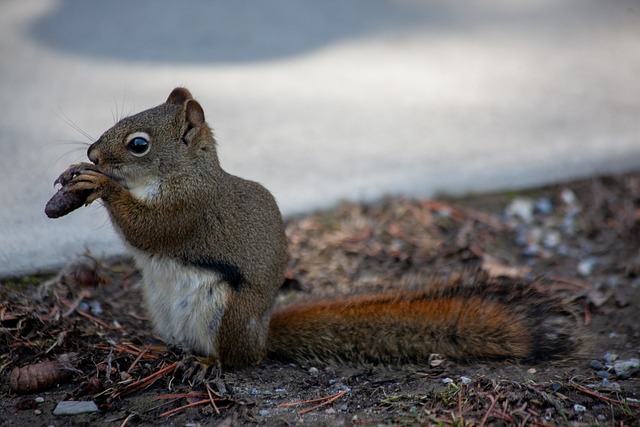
<point x="212" y="251"/>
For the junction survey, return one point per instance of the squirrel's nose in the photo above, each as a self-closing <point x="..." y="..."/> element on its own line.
<point x="92" y="154"/>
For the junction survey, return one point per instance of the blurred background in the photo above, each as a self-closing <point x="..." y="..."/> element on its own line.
<point x="319" y="101"/>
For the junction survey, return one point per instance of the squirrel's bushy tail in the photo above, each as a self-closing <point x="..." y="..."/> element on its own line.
<point x="463" y="319"/>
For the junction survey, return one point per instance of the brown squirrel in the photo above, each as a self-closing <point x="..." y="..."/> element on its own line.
<point x="212" y="251"/>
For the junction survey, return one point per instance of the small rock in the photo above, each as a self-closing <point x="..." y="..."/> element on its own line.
<point x="585" y="267"/>
<point x="552" y="239"/>
<point x="579" y="408"/>
<point x="465" y="380"/>
<point x="96" y="307"/>
<point x="532" y="249"/>
<point x="263" y="412"/>
<point x="330" y="411"/>
<point x="447" y="380"/>
<point x="569" y="222"/>
<point x="522" y="208"/>
<point x="609" y="358"/>
<point x="568" y="197"/>
<point x="522" y="235"/>
<point x="531" y="371"/>
<point x="39" y="399"/>
<point x="626" y="368"/>
<point x="72" y="407"/>
<point x="602" y="374"/>
<point x="313" y="371"/>
<point x="343" y="407"/>
<point x="254" y="392"/>
<point x="596" y="364"/>
<point x="556" y="386"/>
<point x="37" y="412"/>
<point x="281" y="390"/>
<point x="543" y="205"/>
<point x="434" y="363"/>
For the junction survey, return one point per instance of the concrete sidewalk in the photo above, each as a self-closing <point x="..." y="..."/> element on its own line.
<point x="319" y="101"/>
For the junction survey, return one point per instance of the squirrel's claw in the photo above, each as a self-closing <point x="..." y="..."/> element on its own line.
<point x="197" y="370"/>
<point x="72" y="171"/>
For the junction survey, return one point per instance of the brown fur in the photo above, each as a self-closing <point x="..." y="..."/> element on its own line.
<point x="476" y="318"/>
<point x="198" y="230"/>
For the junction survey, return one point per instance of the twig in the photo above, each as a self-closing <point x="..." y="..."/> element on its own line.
<point x="99" y="322"/>
<point x="109" y="362"/>
<point x="180" y="395"/>
<point x="137" y="359"/>
<point x="76" y="302"/>
<point x="573" y="284"/>
<point x="486" y="416"/>
<point x="602" y="397"/>
<point x="325" y="401"/>
<point x="460" y="417"/>
<point x="147" y="381"/>
<point x="134" y="351"/>
<point x="90" y="317"/>
<point x="213" y="402"/>
<point x="126" y="420"/>
<point x="188" y="405"/>
<point x="460" y="214"/>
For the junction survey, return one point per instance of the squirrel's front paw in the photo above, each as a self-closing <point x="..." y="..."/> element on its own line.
<point x="70" y="197"/>
<point x="96" y="183"/>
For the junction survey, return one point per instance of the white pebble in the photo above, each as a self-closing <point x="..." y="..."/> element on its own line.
<point x="568" y="197"/>
<point x="579" y="408"/>
<point x="585" y="267"/>
<point x="522" y="208"/>
<point x="447" y="380"/>
<point x="552" y="239"/>
<point x="313" y="371"/>
<point x="39" y="399"/>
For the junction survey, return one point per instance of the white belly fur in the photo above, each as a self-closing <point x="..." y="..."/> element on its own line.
<point x="186" y="304"/>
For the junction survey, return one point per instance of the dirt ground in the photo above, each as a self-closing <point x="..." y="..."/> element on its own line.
<point x="82" y="335"/>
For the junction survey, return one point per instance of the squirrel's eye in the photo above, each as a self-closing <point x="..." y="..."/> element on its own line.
<point x="138" y="144"/>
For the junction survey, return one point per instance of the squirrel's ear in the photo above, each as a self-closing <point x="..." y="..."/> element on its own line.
<point x="179" y="96"/>
<point x="194" y="113"/>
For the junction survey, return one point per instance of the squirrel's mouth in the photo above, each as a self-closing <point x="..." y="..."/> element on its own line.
<point x="114" y="172"/>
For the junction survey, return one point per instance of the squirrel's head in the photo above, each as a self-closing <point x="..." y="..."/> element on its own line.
<point x="156" y="144"/>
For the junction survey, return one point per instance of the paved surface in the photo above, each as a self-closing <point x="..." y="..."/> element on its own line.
<point x="318" y="100"/>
